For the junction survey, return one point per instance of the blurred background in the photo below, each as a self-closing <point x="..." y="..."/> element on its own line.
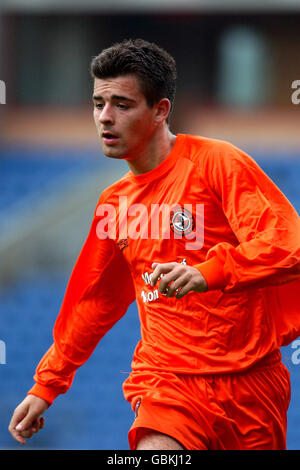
<point x="236" y="65"/>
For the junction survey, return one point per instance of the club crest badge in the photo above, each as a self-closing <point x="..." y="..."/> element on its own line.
<point x="182" y="221"/>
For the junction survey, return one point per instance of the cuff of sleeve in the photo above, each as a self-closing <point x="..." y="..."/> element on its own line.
<point x="46" y="393"/>
<point x="212" y="271"/>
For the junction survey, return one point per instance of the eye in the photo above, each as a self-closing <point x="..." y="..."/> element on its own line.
<point x="99" y="105"/>
<point x="122" y="106"/>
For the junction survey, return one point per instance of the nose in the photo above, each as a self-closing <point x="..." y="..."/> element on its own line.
<point x="106" y="115"/>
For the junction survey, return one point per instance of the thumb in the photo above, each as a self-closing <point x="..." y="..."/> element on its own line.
<point x="27" y="421"/>
<point x="153" y="266"/>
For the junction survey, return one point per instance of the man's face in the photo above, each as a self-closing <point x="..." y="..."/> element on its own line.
<point x="124" y="121"/>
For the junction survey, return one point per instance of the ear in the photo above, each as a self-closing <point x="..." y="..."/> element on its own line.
<point x="162" y="109"/>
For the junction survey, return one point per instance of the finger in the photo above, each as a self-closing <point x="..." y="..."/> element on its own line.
<point x="17" y="436"/>
<point x="17" y="417"/>
<point x="34" y="428"/>
<point x="176" y="285"/>
<point x="23" y="425"/>
<point x="27" y="423"/>
<point x="39" y="424"/>
<point x="160" y="269"/>
<point x="42" y="422"/>
<point x="184" y="290"/>
<point x="166" y="281"/>
<point x="27" y="433"/>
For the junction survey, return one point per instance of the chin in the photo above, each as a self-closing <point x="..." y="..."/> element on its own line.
<point x="111" y="153"/>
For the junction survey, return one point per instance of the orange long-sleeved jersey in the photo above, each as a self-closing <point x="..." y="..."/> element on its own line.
<point x="208" y="205"/>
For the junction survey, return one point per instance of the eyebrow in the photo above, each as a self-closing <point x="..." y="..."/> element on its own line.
<point x="114" y="97"/>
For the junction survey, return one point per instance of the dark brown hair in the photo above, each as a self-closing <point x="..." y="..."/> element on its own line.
<point x="153" y="66"/>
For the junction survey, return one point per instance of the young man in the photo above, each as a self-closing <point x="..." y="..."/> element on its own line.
<point x="209" y="248"/>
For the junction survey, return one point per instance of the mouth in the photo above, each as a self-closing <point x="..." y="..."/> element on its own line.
<point x="109" y="138"/>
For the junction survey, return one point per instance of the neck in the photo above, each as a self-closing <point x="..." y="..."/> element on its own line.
<point x="154" y="153"/>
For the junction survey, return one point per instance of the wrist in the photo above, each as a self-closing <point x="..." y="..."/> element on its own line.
<point x="46" y="393"/>
<point x="212" y="271"/>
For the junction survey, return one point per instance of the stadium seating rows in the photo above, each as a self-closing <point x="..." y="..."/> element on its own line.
<point x="27" y="172"/>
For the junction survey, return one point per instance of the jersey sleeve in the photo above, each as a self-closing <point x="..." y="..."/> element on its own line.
<point x="264" y="222"/>
<point x="98" y="294"/>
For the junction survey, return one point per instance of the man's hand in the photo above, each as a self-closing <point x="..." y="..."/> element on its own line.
<point x="178" y="279"/>
<point x="27" y="419"/>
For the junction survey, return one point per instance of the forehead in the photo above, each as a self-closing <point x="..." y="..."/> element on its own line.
<point x="125" y="85"/>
